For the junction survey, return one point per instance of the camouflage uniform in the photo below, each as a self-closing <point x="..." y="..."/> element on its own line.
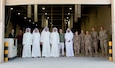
<point x="77" y="44"/>
<point x="103" y="42"/>
<point x="88" y="41"/>
<point x="94" y="36"/>
<point x="82" y="43"/>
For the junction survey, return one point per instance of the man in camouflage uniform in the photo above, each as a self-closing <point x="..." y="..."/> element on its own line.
<point x="82" y="42"/>
<point x="88" y="47"/>
<point x="94" y="36"/>
<point x="76" y="43"/>
<point x="103" y="41"/>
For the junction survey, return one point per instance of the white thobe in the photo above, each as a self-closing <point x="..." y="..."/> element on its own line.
<point x="27" y="42"/>
<point x="69" y="45"/>
<point x="36" y="45"/>
<point x="45" y="39"/>
<point x="54" y="40"/>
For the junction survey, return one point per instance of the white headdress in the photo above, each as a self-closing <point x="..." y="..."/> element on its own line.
<point x="28" y="29"/>
<point x="55" y="29"/>
<point x="35" y="29"/>
<point x="44" y="29"/>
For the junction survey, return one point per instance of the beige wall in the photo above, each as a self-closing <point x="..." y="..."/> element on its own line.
<point x="113" y="27"/>
<point x="2" y="14"/>
<point x="103" y="18"/>
<point x="23" y="2"/>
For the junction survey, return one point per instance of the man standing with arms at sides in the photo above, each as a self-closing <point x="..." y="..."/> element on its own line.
<point x="61" y="45"/>
<point x="36" y="43"/>
<point x="54" y="40"/>
<point x="88" y="47"/>
<point x="27" y="42"/>
<point x="20" y="46"/>
<point x="94" y="36"/>
<point x="82" y="42"/>
<point x="45" y="40"/>
<point x="103" y="42"/>
<point x="69" y="43"/>
<point x="76" y="43"/>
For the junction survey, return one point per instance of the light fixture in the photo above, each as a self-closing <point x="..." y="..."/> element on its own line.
<point x="70" y="8"/>
<point x="68" y="13"/>
<point x="11" y="8"/>
<point x="36" y="24"/>
<point x="18" y="13"/>
<point x="43" y="8"/>
<point x="25" y="17"/>
<point x="66" y="22"/>
<point x="29" y="20"/>
<point x="46" y="13"/>
<point x="67" y="17"/>
<point x="33" y="23"/>
<point x="48" y="17"/>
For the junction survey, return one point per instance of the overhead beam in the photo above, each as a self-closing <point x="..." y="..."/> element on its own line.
<point x="26" y="2"/>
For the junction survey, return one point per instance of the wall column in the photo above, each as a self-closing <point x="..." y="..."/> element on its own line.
<point x="71" y="21"/>
<point x="76" y="12"/>
<point x="29" y="11"/>
<point x="46" y="24"/>
<point x="35" y="13"/>
<point x="2" y="14"/>
<point x="113" y="27"/>
<point x="43" y="20"/>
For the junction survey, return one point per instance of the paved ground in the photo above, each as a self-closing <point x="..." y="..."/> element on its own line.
<point x="62" y="62"/>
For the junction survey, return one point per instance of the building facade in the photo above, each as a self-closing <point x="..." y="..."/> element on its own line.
<point x="4" y="3"/>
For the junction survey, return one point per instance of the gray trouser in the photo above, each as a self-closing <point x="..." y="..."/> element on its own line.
<point x="61" y="48"/>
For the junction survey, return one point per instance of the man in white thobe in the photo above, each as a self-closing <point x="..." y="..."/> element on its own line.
<point x="36" y="43"/>
<point x="27" y="42"/>
<point x="54" y="40"/>
<point x="45" y="40"/>
<point x="69" y="43"/>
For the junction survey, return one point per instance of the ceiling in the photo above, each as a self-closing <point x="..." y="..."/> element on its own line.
<point x="18" y="13"/>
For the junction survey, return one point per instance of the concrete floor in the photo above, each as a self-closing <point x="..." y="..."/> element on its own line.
<point x="62" y="62"/>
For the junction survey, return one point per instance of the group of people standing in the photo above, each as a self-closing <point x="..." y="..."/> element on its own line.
<point x="87" y="43"/>
<point x="52" y="43"/>
<point x="56" y="44"/>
